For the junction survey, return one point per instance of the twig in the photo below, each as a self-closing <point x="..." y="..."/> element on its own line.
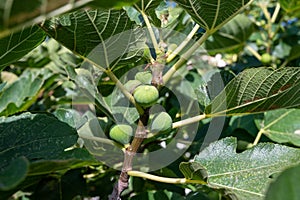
<point x="183" y="44"/>
<point x="188" y="121"/>
<point x="164" y="179"/>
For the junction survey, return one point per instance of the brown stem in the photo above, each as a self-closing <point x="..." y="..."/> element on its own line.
<point x="130" y="152"/>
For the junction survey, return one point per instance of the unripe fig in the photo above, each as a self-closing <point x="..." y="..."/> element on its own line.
<point x="144" y="77"/>
<point x="266" y="58"/>
<point x="161" y="123"/>
<point x="121" y="133"/>
<point x="131" y="85"/>
<point x="146" y="95"/>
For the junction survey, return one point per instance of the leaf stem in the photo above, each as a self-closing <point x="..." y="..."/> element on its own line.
<point x="275" y="14"/>
<point x="185" y="57"/>
<point x="188" y="121"/>
<point x="164" y="179"/>
<point x="183" y="44"/>
<point x="259" y="134"/>
<point x="254" y="52"/>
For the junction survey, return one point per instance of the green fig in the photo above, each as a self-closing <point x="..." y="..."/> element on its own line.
<point x="146" y="95"/>
<point x="131" y="85"/>
<point x="161" y="123"/>
<point x="144" y="77"/>
<point x="266" y="58"/>
<point x="121" y="133"/>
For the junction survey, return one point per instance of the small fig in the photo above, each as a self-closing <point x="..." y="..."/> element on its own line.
<point x="131" y="85"/>
<point x="144" y="77"/>
<point x="146" y="95"/>
<point x="161" y="123"/>
<point x="266" y="58"/>
<point x="121" y="133"/>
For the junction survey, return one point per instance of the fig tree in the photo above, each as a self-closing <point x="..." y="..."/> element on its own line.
<point x="121" y="133"/>
<point x="161" y="123"/>
<point x="146" y="95"/>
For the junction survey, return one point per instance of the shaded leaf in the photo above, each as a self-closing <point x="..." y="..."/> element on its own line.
<point x="286" y="185"/>
<point x="282" y="126"/>
<point x="245" y="175"/>
<point x="295" y="52"/>
<point x="231" y="37"/>
<point x="14" y="173"/>
<point x="23" y="92"/>
<point x="211" y="15"/>
<point x="35" y="136"/>
<point x="257" y="90"/>
<point x="290" y="6"/>
<point x="16" y="45"/>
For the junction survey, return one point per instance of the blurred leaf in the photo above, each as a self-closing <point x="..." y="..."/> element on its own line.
<point x="14" y="173"/>
<point x="211" y="15"/>
<point x="294" y="53"/>
<point x="290" y="6"/>
<point x="282" y="126"/>
<point x="16" y="45"/>
<point x="23" y="92"/>
<point x="232" y="37"/>
<point x="35" y="136"/>
<point x="257" y="90"/>
<point x="282" y="50"/>
<point x="245" y="175"/>
<point x="286" y="185"/>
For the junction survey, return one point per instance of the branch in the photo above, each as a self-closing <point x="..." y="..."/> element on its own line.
<point x="188" y="121"/>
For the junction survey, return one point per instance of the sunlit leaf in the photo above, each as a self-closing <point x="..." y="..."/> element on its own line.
<point x="245" y="175"/>
<point x="282" y="125"/>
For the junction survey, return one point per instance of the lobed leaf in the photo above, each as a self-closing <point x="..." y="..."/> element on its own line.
<point x="245" y="175"/>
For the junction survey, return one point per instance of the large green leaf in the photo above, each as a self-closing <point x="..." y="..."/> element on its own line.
<point x="16" y="45"/>
<point x="281" y="125"/>
<point x="212" y="14"/>
<point x="231" y="37"/>
<point x="286" y="185"/>
<point x="245" y="175"/>
<point x="35" y="136"/>
<point x="103" y="36"/>
<point x="258" y="90"/>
